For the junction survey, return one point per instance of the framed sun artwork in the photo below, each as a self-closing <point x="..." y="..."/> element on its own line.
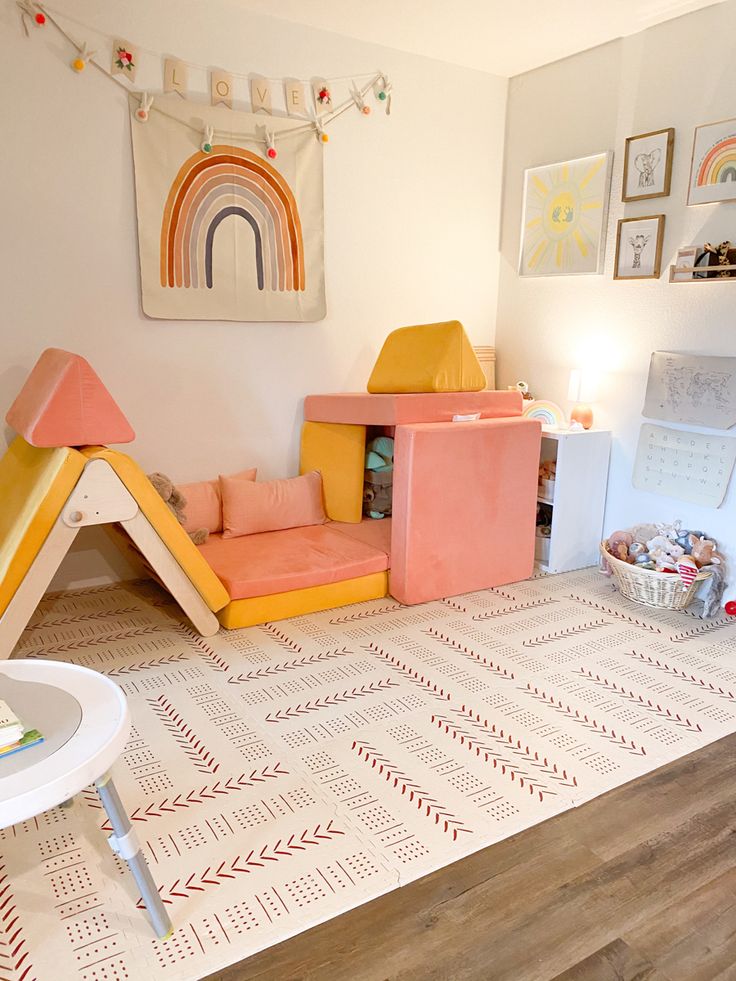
<point x="563" y="226"/>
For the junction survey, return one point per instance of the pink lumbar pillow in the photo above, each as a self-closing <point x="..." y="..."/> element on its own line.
<point x="248" y="508"/>
<point x="204" y="503"/>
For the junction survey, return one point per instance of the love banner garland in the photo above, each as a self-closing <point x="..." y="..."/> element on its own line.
<point x="124" y="64"/>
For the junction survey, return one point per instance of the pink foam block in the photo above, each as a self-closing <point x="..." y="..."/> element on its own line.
<point x="64" y="403"/>
<point x="464" y="506"/>
<point x="396" y="410"/>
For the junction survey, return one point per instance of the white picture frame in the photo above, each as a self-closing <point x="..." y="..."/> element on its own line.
<point x="564" y="217"/>
<point x="713" y="163"/>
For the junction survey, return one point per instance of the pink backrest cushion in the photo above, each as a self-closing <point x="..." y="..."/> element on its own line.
<point x="249" y="508"/>
<point x="204" y="503"/>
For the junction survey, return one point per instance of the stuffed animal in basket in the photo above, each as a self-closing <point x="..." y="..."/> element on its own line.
<point x="176" y="502"/>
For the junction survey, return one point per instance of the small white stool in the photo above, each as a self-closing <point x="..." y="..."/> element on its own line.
<point x="84" y="719"/>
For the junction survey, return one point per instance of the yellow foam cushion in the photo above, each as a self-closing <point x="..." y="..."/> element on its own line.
<point x="34" y="486"/>
<point x="427" y="358"/>
<point x="297" y="602"/>
<point x="338" y="452"/>
<point x="170" y="531"/>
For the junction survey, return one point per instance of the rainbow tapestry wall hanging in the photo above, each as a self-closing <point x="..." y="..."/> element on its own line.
<point x="230" y="214"/>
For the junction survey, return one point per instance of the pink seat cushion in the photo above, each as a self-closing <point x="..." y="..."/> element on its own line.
<point x="370" y="531"/>
<point x="249" y="508"/>
<point x="204" y="503"/>
<point x="64" y="403"/>
<point x="296" y="558"/>
<point x="396" y="410"/>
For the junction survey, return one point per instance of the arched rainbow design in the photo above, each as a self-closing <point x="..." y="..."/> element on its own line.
<point x="719" y="163"/>
<point x="211" y="187"/>
<point x="548" y="413"/>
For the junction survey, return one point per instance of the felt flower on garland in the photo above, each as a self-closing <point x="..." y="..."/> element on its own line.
<point x="324" y="97"/>
<point x="124" y="59"/>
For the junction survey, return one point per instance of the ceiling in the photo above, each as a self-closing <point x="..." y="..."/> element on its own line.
<point x="498" y="36"/>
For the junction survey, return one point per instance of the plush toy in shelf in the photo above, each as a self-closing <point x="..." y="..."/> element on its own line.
<point x="378" y="480"/>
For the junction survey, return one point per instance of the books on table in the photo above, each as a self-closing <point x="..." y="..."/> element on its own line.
<point x="11" y="728"/>
<point x="32" y="738"/>
<point x="13" y="735"/>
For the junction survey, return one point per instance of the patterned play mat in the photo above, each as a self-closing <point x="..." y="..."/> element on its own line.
<point x="281" y="775"/>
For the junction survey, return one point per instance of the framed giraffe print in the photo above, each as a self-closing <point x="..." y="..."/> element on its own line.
<point x="639" y="248"/>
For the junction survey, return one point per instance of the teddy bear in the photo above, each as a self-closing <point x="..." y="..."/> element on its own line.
<point x="619" y="543"/>
<point x="176" y="503"/>
<point x="642" y="533"/>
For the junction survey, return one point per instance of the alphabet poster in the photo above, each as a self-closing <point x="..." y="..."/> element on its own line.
<point x="691" y="466"/>
<point x="227" y="228"/>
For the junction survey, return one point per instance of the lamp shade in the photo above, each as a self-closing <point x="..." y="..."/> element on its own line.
<point x="583" y="386"/>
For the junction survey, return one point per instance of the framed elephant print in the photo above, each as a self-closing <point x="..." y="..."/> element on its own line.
<point x="639" y="248"/>
<point x="648" y="165"/>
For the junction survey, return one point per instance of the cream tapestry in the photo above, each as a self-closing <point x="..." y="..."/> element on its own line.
<point x="230" y="213"/>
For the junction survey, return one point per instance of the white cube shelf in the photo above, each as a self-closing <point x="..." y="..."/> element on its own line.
<point x="579" y="499"/>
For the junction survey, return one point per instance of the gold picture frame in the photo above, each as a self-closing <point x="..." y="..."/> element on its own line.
<point x="648" y="165"/>
<point x="638" y="261"/>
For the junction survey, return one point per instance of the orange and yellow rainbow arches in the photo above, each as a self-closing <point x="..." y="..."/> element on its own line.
<point x="213" y="186"/>
<point x="719" y="163"/>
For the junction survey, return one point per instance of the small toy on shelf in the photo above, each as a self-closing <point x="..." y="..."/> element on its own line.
<point x="547" y="474"/>
<point x="379" y="476"/>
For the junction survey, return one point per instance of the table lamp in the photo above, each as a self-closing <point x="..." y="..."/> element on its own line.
<point x="582" y="391"/>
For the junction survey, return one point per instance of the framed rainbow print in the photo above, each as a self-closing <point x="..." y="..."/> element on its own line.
<point x="713" y="167"/>
<point x="563" y="226"/>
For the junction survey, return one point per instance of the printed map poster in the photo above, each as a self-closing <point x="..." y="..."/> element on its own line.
<point x="227" y="234"/>
<point x="690" y="388"/>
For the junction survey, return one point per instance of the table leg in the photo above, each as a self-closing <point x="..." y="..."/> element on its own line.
<point x="125" y="844"/>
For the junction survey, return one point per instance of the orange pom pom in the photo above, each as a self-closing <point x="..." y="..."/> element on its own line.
<point x="325" y="138"/>
<point x="79" y="64"/>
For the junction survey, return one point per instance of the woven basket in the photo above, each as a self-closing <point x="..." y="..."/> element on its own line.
<point x="663" y="590"/>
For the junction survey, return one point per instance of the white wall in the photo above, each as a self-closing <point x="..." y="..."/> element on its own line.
<point x="411" y="232"/>
<point x="677" y="74"/>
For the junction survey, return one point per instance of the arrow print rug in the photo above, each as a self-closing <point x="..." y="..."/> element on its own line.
<point x="280" y="775"/>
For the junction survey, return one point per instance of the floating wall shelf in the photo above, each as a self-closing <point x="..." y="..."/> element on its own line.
<point x="714" y="270"/>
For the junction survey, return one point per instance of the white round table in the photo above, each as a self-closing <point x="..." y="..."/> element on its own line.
<point x="84" y="719"/>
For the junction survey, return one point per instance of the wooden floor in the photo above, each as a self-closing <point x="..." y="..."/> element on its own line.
<point x="639" y="885"/>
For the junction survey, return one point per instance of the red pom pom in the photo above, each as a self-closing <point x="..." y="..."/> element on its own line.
<point x="40" y="19"/>
<point x="271" y="152"/>
<point x="731" y="608"/>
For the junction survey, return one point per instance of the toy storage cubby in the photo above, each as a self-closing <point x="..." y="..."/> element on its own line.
<point x="577" y="503"/>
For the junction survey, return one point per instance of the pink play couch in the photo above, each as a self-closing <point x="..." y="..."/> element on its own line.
<point x="464" y="512"/>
